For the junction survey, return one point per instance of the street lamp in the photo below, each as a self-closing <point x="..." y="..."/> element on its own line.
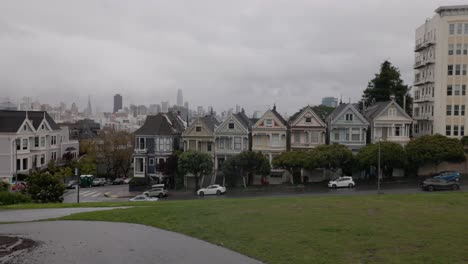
<point x="379" y="170"/>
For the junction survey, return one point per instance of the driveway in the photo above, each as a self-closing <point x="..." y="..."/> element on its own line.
<point x="105" y="242"/>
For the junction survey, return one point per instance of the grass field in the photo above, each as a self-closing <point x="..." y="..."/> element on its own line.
<point x="419" y="228"/>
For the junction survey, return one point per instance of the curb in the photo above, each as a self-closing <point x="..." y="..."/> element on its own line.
<point x="110" y="195"/>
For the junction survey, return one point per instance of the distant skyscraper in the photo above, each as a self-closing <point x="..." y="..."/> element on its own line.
<point x="180" y="98"/>
<point x="74" y="108"/>
<point x="330" y="101"/>
<point x="117" y="103"/>
<point x="237" y="108"/>
<point x="186" y="105"/>
<point x="200" y="111"/>
<point x="164" y="106"/>
<point x="89" y="110"/>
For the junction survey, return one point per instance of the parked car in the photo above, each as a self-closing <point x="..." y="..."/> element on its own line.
<point x="156" y="192"/>
<point x="118" y="181"/>
<point x="127" y="180"/>
<point x="71" y="184"/>
<point x="99" y="182"/>
<point x="439" y="184"/>
<point x="212" y="189"/>
<point x="448" y="175"/>
<point x="143" y="198"/>
<point x="344" y="181"/>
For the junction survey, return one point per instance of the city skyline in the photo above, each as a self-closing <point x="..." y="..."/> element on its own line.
<point x="223" y="53"/>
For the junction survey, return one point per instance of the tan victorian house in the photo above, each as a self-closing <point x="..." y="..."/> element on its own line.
<point x="308" y="130"/>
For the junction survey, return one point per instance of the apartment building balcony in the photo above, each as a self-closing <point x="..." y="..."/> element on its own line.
<point x="141" y="151"/>
<point x="423" y="80"/>
<point x="418" y="64"/>
<point x="424" y="98"/>
<point x="425" y="116"/>
<point x="425" y="44"/>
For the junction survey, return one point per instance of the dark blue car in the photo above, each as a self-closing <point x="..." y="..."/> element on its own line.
<point x="448" y="176"/>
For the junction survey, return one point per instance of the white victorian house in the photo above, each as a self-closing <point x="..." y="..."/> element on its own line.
<point x="347" y="126"/>
<point x="388" y="121"/>
<point x="307" y="129"/>
<point x="232" y="137"/>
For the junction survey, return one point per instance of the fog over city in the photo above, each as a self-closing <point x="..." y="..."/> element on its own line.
<point x="221" y="53"/>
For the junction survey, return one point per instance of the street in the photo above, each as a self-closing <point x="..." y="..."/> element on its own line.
<point x="96" y="194"/>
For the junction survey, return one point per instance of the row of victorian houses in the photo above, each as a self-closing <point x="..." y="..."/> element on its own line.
<point x="271" y="135"/>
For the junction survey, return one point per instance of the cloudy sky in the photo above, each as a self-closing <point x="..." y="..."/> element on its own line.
<point x="219" y="52"/>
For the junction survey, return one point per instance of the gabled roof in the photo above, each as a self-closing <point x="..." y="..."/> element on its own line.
<point x="210" y="121"/>
<point x="10" y="121"/>
<point x="242" y="117"/>
<point x="160" y="124"/>
<point x="299" y="114"/>
<point x="341" y="108"/>
<point x="280" y="118"/>
<point x="375" y="109"/>
<point x="336" y="112"/>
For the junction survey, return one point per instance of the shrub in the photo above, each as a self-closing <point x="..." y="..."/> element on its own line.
<point x="4" y="186"/>
<point x="45" y="187"/>
<point x="7" y="198"/>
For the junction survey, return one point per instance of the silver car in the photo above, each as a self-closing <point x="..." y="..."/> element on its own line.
<point x="156" y="192"/>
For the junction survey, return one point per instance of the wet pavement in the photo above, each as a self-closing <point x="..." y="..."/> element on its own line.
<point x="104" y="242"/>
<point x="27" y="215"/>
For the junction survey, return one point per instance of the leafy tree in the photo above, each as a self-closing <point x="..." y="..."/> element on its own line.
<point x="87" y="165"/>
<point x="333" y="157"/>
<point x="44" y="187"/>
<point x="196" y="163"/>
<point x="115" y="151"/>
<point x="246" y="163"/>
<point x="386" y="83"/>
<point x="393" y="155"/>
<point x="293" y="162"/>
<point x="323" y="111"/>
<point x="64" y="172"/>
<point x="170" y="169"/>
<point x="434" y="149"/>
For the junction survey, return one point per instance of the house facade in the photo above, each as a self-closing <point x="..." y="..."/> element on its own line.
<point x="388" y="121"/>
<point x="232" y="137"/>
<point x="30" y="140"/>
<point x="347" y="126"/>
<point x="307" y="130"/>
<point x="155" y="142"/>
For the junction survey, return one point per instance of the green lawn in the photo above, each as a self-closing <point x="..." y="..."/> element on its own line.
<point x="419" y="228"/>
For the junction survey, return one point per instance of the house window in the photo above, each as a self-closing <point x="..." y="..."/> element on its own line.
<point x="198" y="129"/>
<point x="449" y="110"/>
<point x="450" y="70"/>
<point x="53" y="155"/>
<point x="208" y="146"/>
<point x="237" y="143"/>
<point x="308" y="119"/>
<point x="169" y="144"/>
<point x="456" y="110"/>
<point x="221" y="143"/>
<point x="53" y="140"/>
<point x="151" y="162"/>
<point x="392" y="112"/>
<point x="268" y="122"/>
<point x="397" y="131"/>
<point x="464" y="69"/>
<point x="315" y="136"/>
<point x="36" y="142"/>
<point x="18" y="164"/>
<point x="450" y="49"/>
<point x="462" y="111"/>
<point x="466" y="29"/>
<point x="448" y="130"/>
<point x="231" y="125"/>
<point x="258" y="140"/>
<point x="25" y="128"/>
<point x="275" y="141"/>
<point x="462" y="130"/>
<point x="451" y="29"/>
<point x="297" y="137"/>
<point x="355" y="134"/>
<point x="42" y="142"/>
<point x="42" y="126"/>
<point x="463" y="89"/>
<point x="25" y="164"/>
<point x="456" y="90"/>
<point x="449" y="89"/>
<point x="141" y="143"/>
<point x="337" y="136"/>
<point x="18" y="144"/>
<point x="25" y="143"/>
<point x="455" y="130"/>
<point x="457" y="69"/>
<point x="139" y="165"/>
<point x="459" y="28"/>
<point x="458" y="51"/>
<point x="42" y="159"/>
<point x="349" y="117"/>
<point x="465" y="49"/>
<point x="161" y="144"/>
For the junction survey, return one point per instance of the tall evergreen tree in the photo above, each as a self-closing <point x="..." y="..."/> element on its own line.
<point x="386" y="83"/>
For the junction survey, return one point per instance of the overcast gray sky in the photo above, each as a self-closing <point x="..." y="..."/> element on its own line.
<point x="249" y="52"/>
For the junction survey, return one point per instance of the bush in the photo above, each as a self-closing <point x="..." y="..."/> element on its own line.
<point x="4" y="187"/>
<point x="45" y="187"/>
<point x="7" y="198"/>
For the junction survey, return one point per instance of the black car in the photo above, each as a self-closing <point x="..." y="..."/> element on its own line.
<point x="439" y="184"/>
<point x="118" y="181"/>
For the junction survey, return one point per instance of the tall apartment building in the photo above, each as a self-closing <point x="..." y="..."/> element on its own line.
<point x="330" y="101"/>
<point x="117" y="103"/>
<point x="440" y="77"/>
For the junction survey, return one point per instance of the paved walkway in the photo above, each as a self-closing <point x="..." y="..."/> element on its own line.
<point x="105" y="242"/>
<point x="27" y="215"/>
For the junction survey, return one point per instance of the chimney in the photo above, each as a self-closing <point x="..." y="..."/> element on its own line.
<point x="392" y="97"/>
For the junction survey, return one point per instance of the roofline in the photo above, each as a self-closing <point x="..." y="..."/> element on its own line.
<point x="451" y="7"/>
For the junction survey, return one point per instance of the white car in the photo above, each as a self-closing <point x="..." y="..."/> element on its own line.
<point x="344" y="181"/>
<point x="212" y="189"/>
<point x="156" y="192"/>
<point x="127" y="180"/>
<point x="143" y="198"/>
